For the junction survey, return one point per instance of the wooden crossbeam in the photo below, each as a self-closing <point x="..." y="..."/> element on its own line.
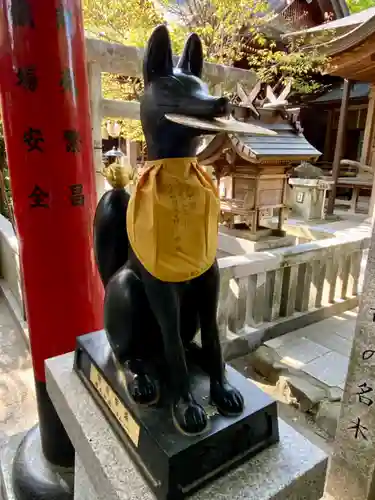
<point x="285" y="92"/>
<point x="120" y="109"/>
<point x="247" y="99"/>
<point x="277" y="102"/>
<point x="127" y="60"/>
<point x="274" y="102"/>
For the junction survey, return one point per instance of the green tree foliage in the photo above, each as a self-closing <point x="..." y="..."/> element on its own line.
<point x="124" y="21"/>
<point x="221" y="24"/>
<point x="129" y="22"/>
<point x="291" y="64"/>
<point x="6" y="201"/>
<point x="359" y="5"/>
<point x="229" y="29"/>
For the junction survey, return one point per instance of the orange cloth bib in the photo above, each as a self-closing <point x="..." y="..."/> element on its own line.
<point x="172" y="219"/>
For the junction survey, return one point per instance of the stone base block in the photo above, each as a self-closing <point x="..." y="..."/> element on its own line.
<point x="6" y="464"/>
<point x="292" y="469"/>
<point x="83" y="488"/>
<point x="239" y="242"/>
<point x="25" y="473"/>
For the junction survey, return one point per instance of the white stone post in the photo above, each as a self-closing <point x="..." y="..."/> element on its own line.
<point x="95" y="89"/>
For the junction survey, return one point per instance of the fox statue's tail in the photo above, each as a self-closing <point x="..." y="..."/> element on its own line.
<point x="110" y="234"/>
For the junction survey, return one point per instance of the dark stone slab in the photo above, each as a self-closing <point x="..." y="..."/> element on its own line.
<point x="175" y="465"/>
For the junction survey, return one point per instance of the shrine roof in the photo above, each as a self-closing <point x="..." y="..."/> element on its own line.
<point x="357" y="91"/>
<point x="349" y="44"/>
<point x="287" y="144"/>
<point x="344" y="24"/>
<point x="263" y="108"/>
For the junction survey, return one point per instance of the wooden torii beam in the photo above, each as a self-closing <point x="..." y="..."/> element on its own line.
<point x="127" y="60"/>
<point x="106" y="57"/>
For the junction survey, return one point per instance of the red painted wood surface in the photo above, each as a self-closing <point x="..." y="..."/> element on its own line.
<point x="45" y="107"/>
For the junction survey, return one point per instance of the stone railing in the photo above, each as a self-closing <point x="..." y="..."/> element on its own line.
<point x="10" y="263"/>
<point x="266" y="294"/>
<point x="262" y="294"/>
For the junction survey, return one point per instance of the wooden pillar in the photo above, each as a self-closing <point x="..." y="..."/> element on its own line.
<point x="328" y="137"/>
<point x="339" y="144"/>
<point x="368" y="137"/>
<point x="46" y="116"/>
<point x="368" y="148"/>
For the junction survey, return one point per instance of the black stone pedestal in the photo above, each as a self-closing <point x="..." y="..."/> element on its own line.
<point x="175" y="465"/>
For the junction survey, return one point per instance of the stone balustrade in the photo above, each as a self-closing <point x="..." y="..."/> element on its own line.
<point x="266" y="294"/>
<point x="263" y="294"/>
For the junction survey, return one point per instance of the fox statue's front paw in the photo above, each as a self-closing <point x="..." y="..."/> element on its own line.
<point x="227" y="399"/>
<point x="189" y="417"/>
<point x="141" y="387"/>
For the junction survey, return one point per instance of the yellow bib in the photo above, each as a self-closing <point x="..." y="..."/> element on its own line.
<point x="172" y="219"/>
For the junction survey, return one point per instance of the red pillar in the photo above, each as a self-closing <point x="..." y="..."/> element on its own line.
<point x="45" y="106"/>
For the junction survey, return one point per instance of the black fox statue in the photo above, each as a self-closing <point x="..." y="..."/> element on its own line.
<point x="156" y="249"/>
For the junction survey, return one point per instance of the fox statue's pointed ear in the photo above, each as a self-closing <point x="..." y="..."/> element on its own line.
<point x="192" y="56"/>
<point x="157" y="61"/>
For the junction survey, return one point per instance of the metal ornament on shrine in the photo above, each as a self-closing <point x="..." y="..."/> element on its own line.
<point x="251" y="171"/>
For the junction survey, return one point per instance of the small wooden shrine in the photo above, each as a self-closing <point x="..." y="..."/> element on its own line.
<point x="251" y="171"/>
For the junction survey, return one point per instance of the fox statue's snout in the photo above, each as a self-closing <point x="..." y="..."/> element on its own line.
<point x="183" y="93"/>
